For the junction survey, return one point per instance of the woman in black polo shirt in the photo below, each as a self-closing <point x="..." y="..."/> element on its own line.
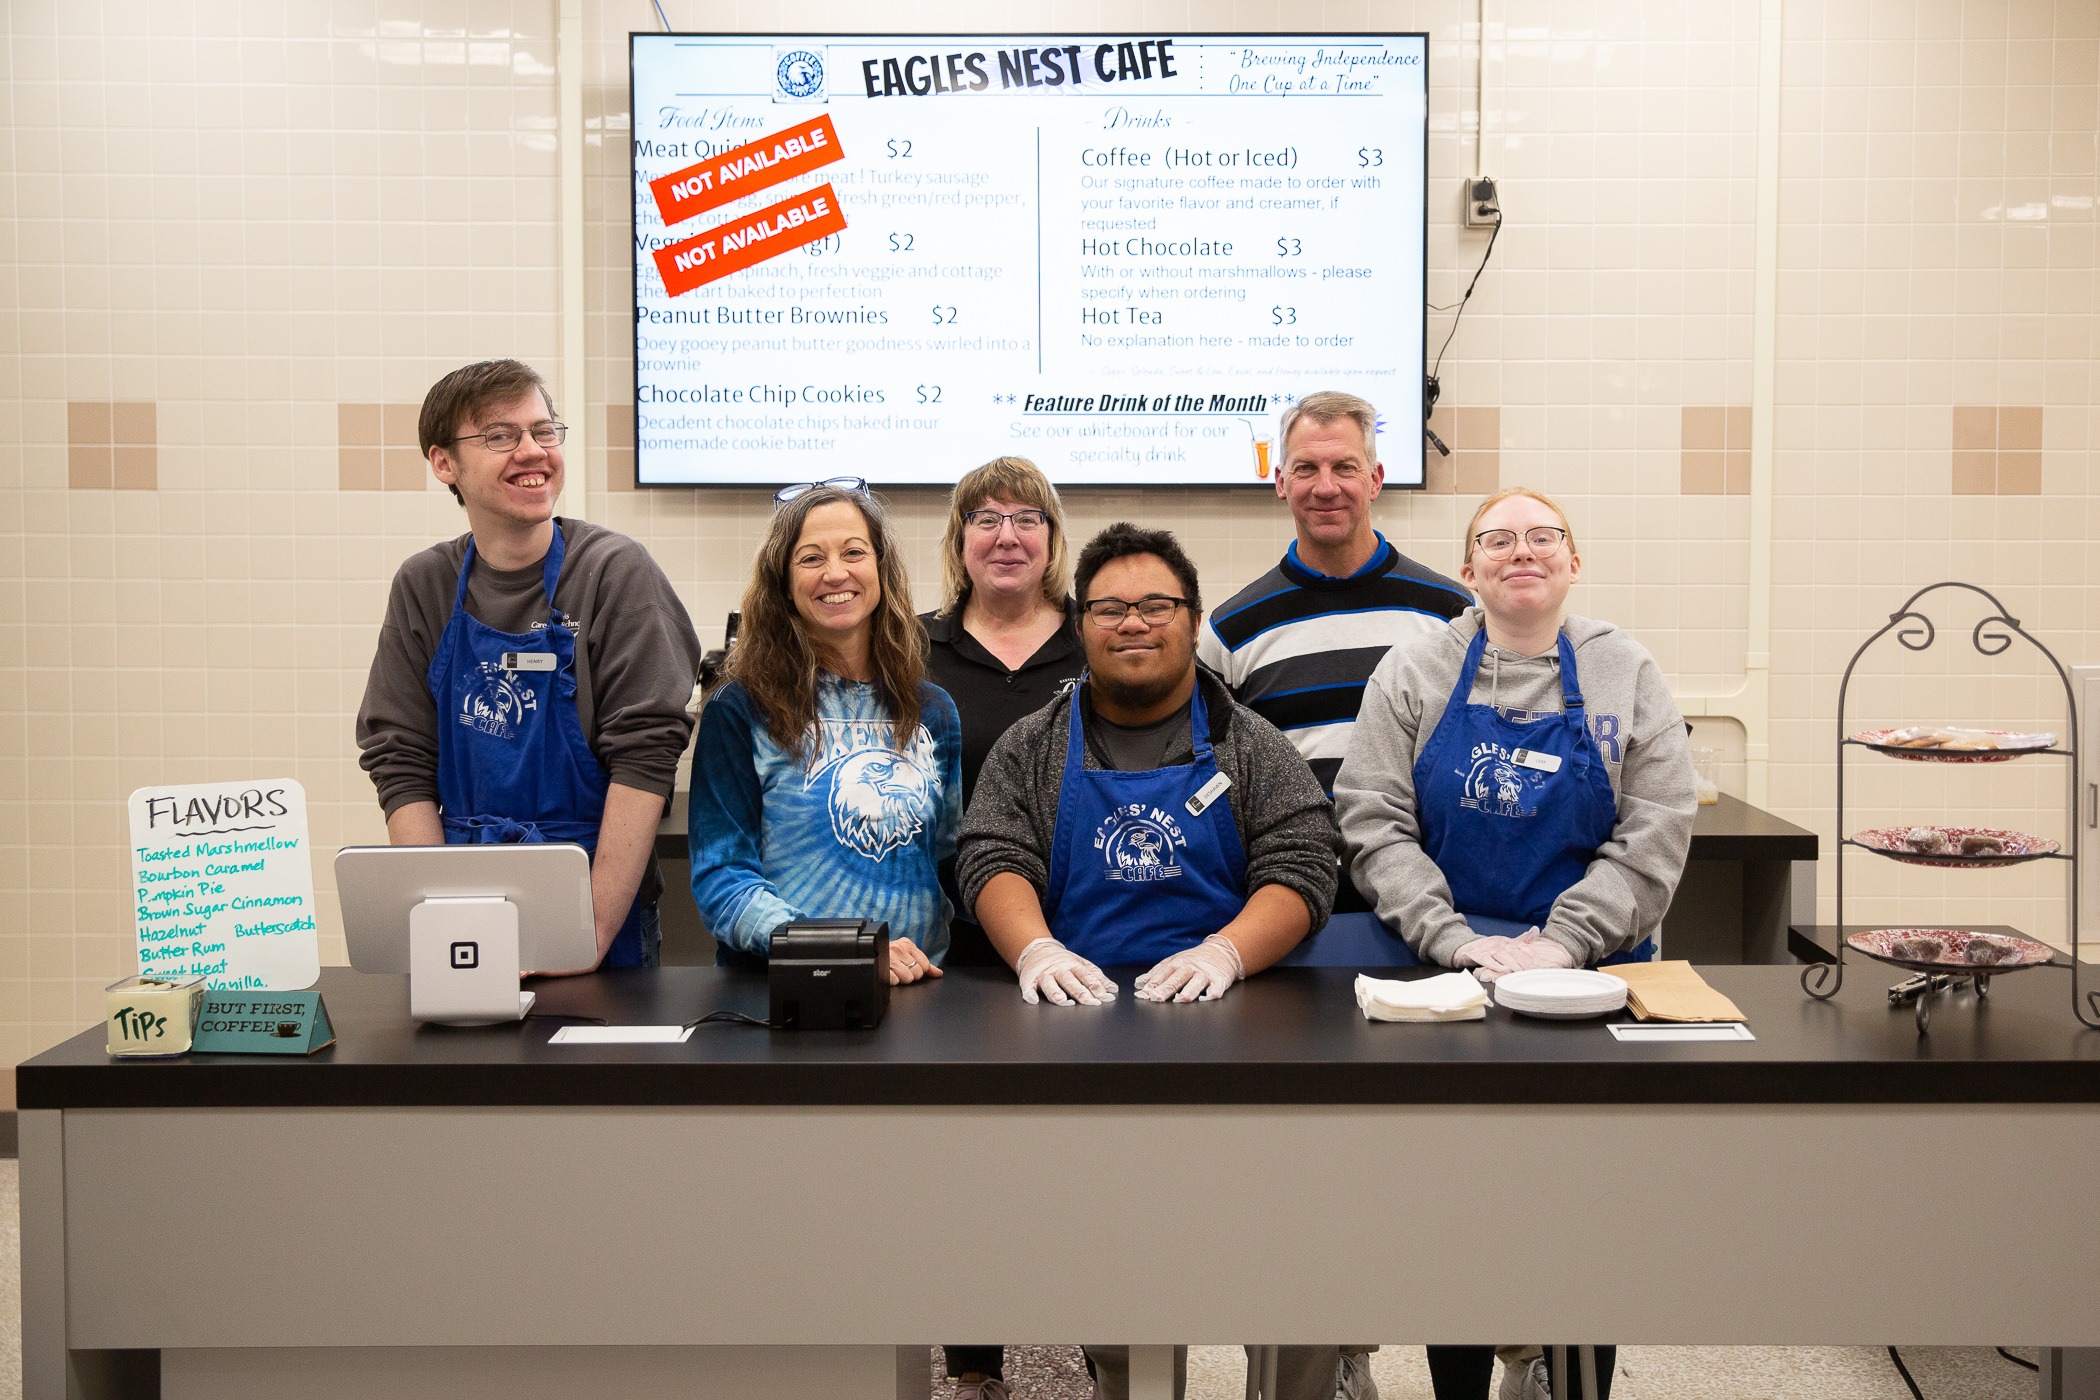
<point x="1003" y="644"/>
<point x="1004" y="641"/>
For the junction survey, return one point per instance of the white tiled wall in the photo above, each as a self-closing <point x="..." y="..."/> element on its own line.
<point x="249" y="214"/>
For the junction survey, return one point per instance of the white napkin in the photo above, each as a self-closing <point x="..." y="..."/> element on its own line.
<point x="1453" y="996"/>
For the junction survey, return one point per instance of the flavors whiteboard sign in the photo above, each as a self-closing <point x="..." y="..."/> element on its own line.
<point x="224" y="884"/>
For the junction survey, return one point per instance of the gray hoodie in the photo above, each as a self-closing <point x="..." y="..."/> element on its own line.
<point x="1621" y="898"/>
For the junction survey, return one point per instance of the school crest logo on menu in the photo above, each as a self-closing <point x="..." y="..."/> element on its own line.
<point x="1497" y="786"/>
<point x="1140" y="843"/>
<point x="879" y="799"/>
<point x="800" y="74"/>
<point x="496" y="704"/>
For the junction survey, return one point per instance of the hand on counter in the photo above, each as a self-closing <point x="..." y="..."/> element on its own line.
<point x="1495" y="955"/>
<point x="1202" y="973"/>
<point x="908" y="964"/>
<point x="1047" y="968"/>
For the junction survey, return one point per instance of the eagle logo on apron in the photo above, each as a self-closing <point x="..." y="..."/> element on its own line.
<point x="1497" y="786"/>
<point x="495" y="703"/>
<point x="1138" y="844"/>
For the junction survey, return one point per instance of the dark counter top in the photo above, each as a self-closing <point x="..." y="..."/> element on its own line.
<point x="1290" y="1036"/>
<point x="1732" y="829"/>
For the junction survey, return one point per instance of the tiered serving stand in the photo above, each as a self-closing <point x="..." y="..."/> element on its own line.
<point x="1992" y="636"/>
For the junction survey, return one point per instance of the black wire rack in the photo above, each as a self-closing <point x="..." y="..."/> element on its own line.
<point x="1993" y="635"/>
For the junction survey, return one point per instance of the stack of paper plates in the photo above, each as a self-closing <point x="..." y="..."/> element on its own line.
<point x="1560" y="992"/>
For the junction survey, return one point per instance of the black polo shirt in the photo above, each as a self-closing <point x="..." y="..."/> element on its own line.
<point x="989" y="696"/>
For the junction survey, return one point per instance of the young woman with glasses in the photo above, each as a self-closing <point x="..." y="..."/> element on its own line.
<point x="827" y="780"/>
<point x="1525" y="766"/>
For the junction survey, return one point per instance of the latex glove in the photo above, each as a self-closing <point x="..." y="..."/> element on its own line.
<point x="1201" y="973"/>
<point x="908" y="964"/>
<point x="1490" y="955"/>
<point x="1047" y="968"/>
<point x="1534" y="949"/>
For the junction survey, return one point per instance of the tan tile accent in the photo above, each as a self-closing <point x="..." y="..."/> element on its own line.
<point x="1975" y="473"/>
<point x="619" y="446"/>
<point x="2020" y="428"/>
<point x="357" y="424"/>
<point x="357" y="468"/>
<point x="1704" y="430"/>
<point x="2019" y="473"/>
<point x="402" y="467"/>
<point x="137" y="467"/>
<point x="112" y="446"/>
<point x="1975" y="427"/>
<point x="1703" y="473"/>
<point x="376" y="447"/>
<point x="1738" y="434"/>
<point x="90" y="466"/>
<point x="1714" y="450"/>
<point x="1474" y="435"/>
<point x="1997" y="450"/>
<point x="88" y="422"/>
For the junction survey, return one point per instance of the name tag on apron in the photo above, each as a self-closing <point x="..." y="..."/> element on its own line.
<point x="1543" y="762"/>
<point x="1209" y="793"/>
<point x="528" y="661"/>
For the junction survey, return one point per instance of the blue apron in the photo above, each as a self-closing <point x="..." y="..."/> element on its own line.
<point x="1134" y="876"/>
<point x="513" y="765"/>
<point x="1510" y="837"/>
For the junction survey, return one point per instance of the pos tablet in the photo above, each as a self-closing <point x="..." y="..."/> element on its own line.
<point x="463" y="921"/>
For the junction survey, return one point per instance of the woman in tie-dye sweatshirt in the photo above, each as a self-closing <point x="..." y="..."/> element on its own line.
<point x="827" y="780"/>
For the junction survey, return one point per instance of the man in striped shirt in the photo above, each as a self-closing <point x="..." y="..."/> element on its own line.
<point x="1297" y="645"/>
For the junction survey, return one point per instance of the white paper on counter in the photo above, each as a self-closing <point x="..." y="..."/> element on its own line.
<point x="621" y="1035"/>
<point x="1679" y="1030"/>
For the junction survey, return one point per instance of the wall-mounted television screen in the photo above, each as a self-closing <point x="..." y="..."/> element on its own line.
<point x="1120" y="255"/>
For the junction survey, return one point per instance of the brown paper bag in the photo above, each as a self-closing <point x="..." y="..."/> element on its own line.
<point x="1672" y="991"/>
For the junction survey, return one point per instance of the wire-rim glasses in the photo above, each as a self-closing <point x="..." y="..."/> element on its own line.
<point x="1543" y="541"/>
<point x="505" y="437"/>
<point x="1026" y="521"/>
<point x="803" y="488"/>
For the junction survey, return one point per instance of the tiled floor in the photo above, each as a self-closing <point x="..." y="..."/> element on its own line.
<point x="1219" y="1373"/>
<point x="1645" y="1373"/>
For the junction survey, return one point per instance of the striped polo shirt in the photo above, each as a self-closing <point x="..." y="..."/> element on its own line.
<point x="1297" y="647"/>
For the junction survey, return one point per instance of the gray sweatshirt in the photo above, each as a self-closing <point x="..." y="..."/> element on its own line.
<point x="636" y="658"/>
<point x="1282" y="816"/>
<point x="1622" y="897"/>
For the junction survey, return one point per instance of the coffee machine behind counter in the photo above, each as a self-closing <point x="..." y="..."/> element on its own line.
<point x="715" y="662"/>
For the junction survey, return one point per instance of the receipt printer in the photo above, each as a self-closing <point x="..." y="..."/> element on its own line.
<point x="831" y="974"/>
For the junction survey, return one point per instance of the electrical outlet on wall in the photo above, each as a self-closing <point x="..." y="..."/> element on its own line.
<point x="1483" y="202"/>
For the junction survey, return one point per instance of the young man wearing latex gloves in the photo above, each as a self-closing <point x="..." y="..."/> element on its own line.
<point x="532" y="675"/>
<point x="1144" y="818"/>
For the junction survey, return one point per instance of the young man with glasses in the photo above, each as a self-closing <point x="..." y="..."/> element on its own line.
<point x="1146" y="821"/>
<point x="532" y="675"/>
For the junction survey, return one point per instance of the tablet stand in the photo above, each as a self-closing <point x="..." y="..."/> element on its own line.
<point x="463" y="962"/>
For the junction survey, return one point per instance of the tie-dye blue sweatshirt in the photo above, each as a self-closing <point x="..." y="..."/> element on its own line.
<point x="858" y="831"/>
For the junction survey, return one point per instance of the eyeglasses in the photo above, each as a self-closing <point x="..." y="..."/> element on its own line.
<point x="987" y="522"/>
<point x="803" y="488"/>
<point x="1154" y="610"/>
<point x="1542" y="540"/>
<point x="505" y="438"/>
